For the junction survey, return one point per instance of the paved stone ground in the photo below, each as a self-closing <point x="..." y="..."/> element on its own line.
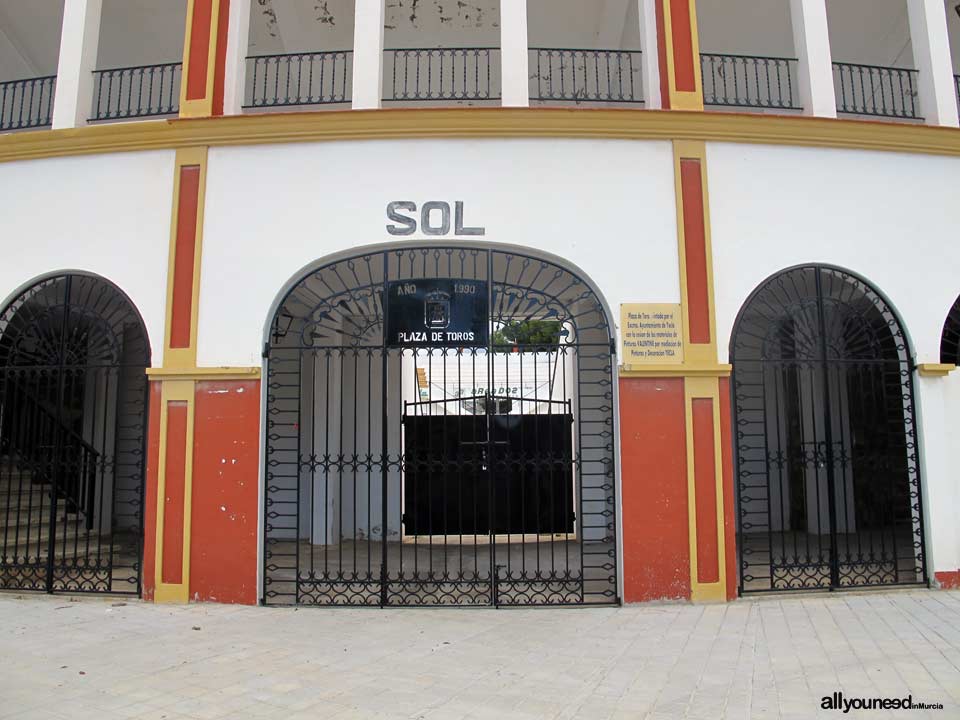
<point x="766" y="658"/>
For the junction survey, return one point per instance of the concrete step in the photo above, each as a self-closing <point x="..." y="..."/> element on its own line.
<point x="28" y="496"/>
<point x="27" y="548"/>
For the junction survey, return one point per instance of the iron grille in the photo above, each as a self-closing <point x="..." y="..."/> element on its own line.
<point x="132" y="92"/>
<point x="560" y="75"/>
<point x="475" y="475"/>
<point x="26" y="103"/>
<point x="875" y="90"/>
<point x="314" y="78"/>
<point x="73" y="355"/>
<point x="458" y="75"/>
<point x="828" y="466"/>
<point x="750" y="81"/>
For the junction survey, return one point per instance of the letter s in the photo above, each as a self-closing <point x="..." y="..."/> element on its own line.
<point x="407" y="225"/>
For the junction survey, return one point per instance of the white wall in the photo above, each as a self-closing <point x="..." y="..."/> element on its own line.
<point x="889" y="217"/>
<point x="607" y="206"/>
<point x="104" y="214"/>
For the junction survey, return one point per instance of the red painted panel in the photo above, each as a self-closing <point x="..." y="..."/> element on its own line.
<point x="729" y="500"/>
<point x="705" y="487"/>
<point x="662" y="58"/>
<point x="223" y="553"/>
<point x="220" y="69"/>
<point x="200" y="25"/>
<point x="186" y="244"/>
<point x="174" y="487"/>
<point x="150" y="492"/>
<point x="656" y="540"/>
<point x="695" y="244"/>
<point x="948" y="580"/>
<point x="683" y="58"/>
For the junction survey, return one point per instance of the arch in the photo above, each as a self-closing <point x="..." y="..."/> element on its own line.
<point x="827" y="457"/>
<point x="950" y="338"/>
<point x="350" y="400"/>
<point x="73" y="392"/>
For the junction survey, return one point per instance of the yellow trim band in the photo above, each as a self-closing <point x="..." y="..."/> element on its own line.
<point x="935" y="369"/>
<point x="670" y="371"/>
<point x="481" y="123"/>
<point x="174" y="592"/>
<point x="185" y="358"/>
<point x="204" y="373"/>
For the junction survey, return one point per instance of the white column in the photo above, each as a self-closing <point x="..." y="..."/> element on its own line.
<point x="811" y="38"/>
<point x="79" y="40"/>
<point x="931" y="57"/>
<point x="368" y="54"/>
<point x="938" y="482"/>
<point x="514" y="58"/>
<point x="238" y="41"/>
<point x="651" y="54"/>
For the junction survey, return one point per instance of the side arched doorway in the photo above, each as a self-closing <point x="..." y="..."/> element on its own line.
<point x="73" y="389"/>
<point x="950" y="338"/>
<point x="440" y="431"/>
<point x="828" y="464"/>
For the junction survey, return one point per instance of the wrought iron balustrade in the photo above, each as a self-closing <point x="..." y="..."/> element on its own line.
<point x="313" y="78"/>
<point x="585" y="76"/>
<point x="26" y="103"/>
<point x="956" y="84"/>
<point x="459" y="75"/>
<point x="875" y="90"/>
<point x="750" y="81"/>
<point x="132" y="92"/>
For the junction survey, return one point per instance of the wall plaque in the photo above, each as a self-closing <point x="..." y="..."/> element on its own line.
<point x="438" y="312"/>
<point x="651" y="333"/>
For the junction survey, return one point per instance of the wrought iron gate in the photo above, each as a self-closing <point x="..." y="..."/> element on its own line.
<point x="73" y="355"/>
<point x="474" y="475"/>
<point x="827" y="461"/>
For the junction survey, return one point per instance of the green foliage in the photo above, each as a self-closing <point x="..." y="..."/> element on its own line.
<point x="528" y="332"/>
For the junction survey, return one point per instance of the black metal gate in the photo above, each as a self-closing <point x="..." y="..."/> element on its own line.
<point x="440" y="475"/>
<point x="827" y="461"/>
<point x="73" y="355"/>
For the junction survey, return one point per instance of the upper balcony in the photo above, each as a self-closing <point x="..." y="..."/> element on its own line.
<point x="29" y="52"/>
<point x="140" y="53"/>
<point x="302" y="55"/>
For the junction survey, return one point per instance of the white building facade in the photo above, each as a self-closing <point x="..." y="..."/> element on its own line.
<point x="216" y="211"/>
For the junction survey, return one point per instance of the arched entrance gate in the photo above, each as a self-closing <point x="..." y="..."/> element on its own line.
<point x="73" y="390"/>
<point x="828" y="468"/>
<point x="439" y="431"/>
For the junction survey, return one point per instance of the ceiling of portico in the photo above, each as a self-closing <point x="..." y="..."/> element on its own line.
<point x="136" y="32"/>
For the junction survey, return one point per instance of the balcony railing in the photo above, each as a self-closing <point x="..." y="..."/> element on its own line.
<point x="875" y="90"/>
<point x="132" y="92"/>
<point x="26" y="103"/>
<point x="314" y="78"/>
<point x="956" y="86"/>
<point x="749" y="81"/>
<point x="562" y="75"/>
<point x="453" y="75"/>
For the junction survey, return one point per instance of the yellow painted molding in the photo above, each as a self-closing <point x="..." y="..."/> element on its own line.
<point x="185" y="358"/>
<point x="683" y="100"/>
<point x="935" y="369"/>
<point x="701" y="354"/>
<point x="204" y="373"/>
<point x="672" y="371"/>
<point x="200" y="107"/>
<point x="176" y="391"/>
<point x="708" y="388"/>
<point x="481" y="123"/>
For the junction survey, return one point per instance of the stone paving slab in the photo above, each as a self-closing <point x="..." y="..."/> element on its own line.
<point x="775" y="657"/>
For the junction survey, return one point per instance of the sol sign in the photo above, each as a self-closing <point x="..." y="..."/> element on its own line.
<point x="434" y="219"/>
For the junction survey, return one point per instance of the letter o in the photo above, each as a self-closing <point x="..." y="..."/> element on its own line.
<point x="425" y="224"/>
